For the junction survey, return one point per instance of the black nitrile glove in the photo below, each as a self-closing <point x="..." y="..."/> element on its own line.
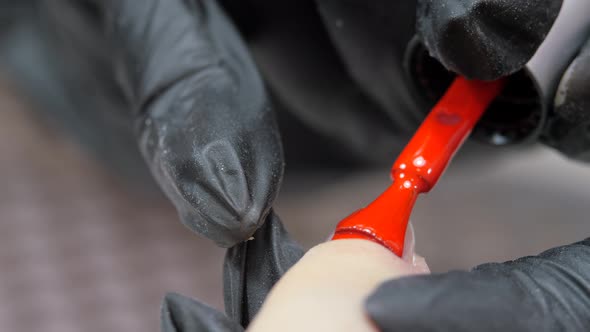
<point x="253" y="267"/>
<point x="177" y="75"/>
<point x="204" y="122"/>
<point x="569" y="129"/>
<point x="176" y="79"/>
<point x="549" y="292"/>
<point x="485" y="39"/>
<point x="250" y="271"/>
<point x="183" y="314"/>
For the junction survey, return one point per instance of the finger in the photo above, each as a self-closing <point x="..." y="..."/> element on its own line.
<point x="409" y="255"/>
<point x="568" y="132"/>
<point x="325" y="290"/>
<point x="204" y="123"/>
<point x="485" y="39"/>
<point x="182" y="314"/>
<point x="253" y="267"/>
<point x="544" y="293"/>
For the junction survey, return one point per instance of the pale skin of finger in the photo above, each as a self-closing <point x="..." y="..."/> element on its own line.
<point x="326" y="289"/>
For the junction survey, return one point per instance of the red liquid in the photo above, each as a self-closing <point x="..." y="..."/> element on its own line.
<point x="421" y="163"/>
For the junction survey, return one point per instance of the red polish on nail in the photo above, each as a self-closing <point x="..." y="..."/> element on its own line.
<point x="421" y="163"/>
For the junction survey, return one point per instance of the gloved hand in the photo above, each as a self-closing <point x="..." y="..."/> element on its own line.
<point x="178" y="77"/>
<point x="175" y="78"/>
<point x="549" y="292"/>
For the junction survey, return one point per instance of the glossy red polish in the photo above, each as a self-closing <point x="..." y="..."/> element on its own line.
<point x="421" y="163"/>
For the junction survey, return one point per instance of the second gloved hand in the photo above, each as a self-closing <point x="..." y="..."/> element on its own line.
<point x="549" y="292"/>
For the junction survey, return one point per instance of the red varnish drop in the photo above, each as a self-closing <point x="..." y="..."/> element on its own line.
<point x="421" y="163"/>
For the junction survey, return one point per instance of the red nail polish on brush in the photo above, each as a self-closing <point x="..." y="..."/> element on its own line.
<point x="421" y="163"/>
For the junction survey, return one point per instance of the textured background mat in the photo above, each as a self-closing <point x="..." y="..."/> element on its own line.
<point x="79" y="251"/>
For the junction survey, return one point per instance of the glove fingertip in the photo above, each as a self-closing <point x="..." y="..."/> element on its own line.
<point x="416" y="303"/>
<point x="183" y="314"/>
<point x="485" y="39"/>
<point x="573" y="96"/>
<point x="399" y="301"/>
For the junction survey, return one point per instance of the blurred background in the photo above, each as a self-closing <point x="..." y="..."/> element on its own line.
<point x="82" y="249"/>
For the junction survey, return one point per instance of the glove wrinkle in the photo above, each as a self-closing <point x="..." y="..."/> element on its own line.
<point x="253" y="267"/>
<point x="234" y="281"/>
